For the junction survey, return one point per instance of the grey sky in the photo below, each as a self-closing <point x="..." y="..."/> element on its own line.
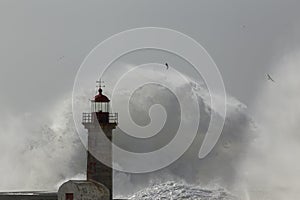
<point x="43" y="43"/>
<point x="243" y="37"/>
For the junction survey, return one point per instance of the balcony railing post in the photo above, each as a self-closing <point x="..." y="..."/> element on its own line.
<point x="90" y="117"/>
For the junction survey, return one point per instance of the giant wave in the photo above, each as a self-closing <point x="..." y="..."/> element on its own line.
<point x="174" y="190"/>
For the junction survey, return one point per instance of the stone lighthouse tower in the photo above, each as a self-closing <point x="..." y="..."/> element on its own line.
<point x="100" y="120"/>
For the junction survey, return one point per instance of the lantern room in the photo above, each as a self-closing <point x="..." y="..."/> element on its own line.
<point x="100" y="103"/>
<point x="100" y="110"/>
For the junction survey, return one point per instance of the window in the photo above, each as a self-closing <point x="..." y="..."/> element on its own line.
<point x="100" y="106"/>
<point x="69" y="196"/>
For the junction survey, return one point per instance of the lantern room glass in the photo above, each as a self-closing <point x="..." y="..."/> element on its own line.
<point x="100" y="106"/>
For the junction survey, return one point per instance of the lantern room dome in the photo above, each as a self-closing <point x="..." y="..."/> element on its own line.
<point x="100" y="97"/>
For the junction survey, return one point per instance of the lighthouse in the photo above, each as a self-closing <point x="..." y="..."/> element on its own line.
<point x="98" y="121"/>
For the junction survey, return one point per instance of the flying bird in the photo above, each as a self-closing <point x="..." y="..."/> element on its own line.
<point x="227" y="144"/>
<point x="60" y="58"/>
<point x="270" y="78"/>
<point x="167" y="65"/>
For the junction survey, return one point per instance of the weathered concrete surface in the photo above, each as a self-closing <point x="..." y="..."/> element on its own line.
<point x="28" y="196"/>
<point x="32" y="196"/>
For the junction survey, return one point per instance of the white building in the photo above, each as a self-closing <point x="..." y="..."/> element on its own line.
<point x="83" y="190"/>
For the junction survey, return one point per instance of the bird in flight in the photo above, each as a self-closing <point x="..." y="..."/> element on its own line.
<point x="270" y="78"/>
<point x="60" y="58"/>
<point x="167" y="65"/>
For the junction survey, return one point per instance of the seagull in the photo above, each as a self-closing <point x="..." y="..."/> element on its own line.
<point x="227" y="144"/>
<point x="167" y="65"/>
<point x="60" y="58"/>
<point x="270" y="78"/>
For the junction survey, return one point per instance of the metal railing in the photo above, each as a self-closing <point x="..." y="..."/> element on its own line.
<point x="113" y="118"/>
<point x="87" y="118"/>
<point x="90" y="118"/>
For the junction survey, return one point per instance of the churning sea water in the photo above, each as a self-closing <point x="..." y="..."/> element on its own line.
<point x="173" y="190"/>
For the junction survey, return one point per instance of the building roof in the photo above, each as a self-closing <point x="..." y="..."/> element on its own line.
<point x="91" y="189"/>
<point x="101" y="97"/>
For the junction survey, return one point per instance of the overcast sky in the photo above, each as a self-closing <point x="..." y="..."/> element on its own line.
<point x="43" y="43"/>
<point x="244" y="38"/>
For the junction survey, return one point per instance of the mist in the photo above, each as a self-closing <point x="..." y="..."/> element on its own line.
<point x="220" y="167"/>
<point x="256" y="157"/>
<point x="40" y="149"/>
<point x="43" y="149"/>
<point x="271" y="167"/>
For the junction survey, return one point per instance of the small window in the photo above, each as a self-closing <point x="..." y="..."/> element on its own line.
<point x="69" y="196"/>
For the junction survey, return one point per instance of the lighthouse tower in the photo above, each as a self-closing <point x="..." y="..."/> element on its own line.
<point x="100" y="120"/>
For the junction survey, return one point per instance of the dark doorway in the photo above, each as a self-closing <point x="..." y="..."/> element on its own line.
<point x="69" y="196"/>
